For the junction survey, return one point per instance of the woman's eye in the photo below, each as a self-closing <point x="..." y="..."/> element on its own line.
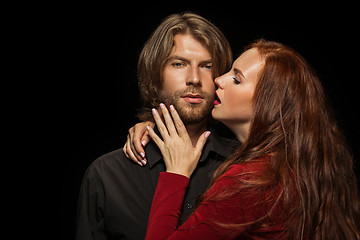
<point x="236" y="81"/>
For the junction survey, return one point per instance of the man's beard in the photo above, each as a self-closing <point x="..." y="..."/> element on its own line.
<point x="190" y="113"/>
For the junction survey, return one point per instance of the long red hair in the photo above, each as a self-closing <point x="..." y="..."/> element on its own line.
<point x="309" y="158"/>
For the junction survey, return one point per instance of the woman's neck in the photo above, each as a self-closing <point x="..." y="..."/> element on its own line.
<point x="240" y="130"/>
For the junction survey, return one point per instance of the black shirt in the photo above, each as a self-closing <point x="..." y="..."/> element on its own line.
<point x="116" y="193"/>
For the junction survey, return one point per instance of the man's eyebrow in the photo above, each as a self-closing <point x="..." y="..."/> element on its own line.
<point x="178" y="58"/>
<point x="207" y="61"/>
<point x="238" y="71"/>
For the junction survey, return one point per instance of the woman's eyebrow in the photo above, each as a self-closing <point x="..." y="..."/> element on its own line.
<point x="238" y="71"/>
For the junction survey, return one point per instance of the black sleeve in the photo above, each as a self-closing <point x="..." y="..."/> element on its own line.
<point x="90" y="210"/>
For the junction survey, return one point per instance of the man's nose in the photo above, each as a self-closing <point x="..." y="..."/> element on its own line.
<point x="193" y="77"/>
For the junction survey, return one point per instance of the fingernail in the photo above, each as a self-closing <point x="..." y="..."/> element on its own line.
<point x="172" y="108"/>
<point x="143" y="143"/>
<point x="142" y="154"/>
<point x="207" y="134"/>
<point x="144" y="162"/>
<point x="148" y="127"/>
<point x="140" y="163"/>
<point x="154" y="111"/>
<point x="162" y="106"/>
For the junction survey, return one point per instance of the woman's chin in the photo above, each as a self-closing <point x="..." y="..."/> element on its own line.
<point x="214" y="115"/>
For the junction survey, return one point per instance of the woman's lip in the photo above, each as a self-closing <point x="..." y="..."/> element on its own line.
<point x="217" y="99"/>
<point x="216" y="102"/>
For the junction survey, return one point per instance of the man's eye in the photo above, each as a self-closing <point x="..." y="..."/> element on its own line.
<point x="177" y="64"/>
<point x="208" y="66"/>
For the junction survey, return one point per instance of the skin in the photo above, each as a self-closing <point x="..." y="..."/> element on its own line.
<point x="234" y="108"/>
<point x="235" y="91"/>
<point x="188" y="82"/>
<point x="187" y="74"/>
<point x="179" y="153"/>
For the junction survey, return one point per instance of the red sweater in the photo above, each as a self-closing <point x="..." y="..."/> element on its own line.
<point x="242" y="207"/>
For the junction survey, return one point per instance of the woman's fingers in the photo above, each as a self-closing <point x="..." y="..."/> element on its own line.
<point x="129" y="153"/>
<point x="201" y="143"/>
<point x="139" y="137"/>
<point x="155" y="138"/>
<point x="168" y="120"/>
<point x="174" y="124"/>
<point x="181" y="130"/>
<point x="124" y="150"/>
<point x="145" y="137"/>
<point x="160" y="125"/>
<point x="176" y="147"/>
<point x="134" y="140"/>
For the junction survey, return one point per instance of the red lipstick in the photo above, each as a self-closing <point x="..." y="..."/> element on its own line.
<point x="217" y="100"/>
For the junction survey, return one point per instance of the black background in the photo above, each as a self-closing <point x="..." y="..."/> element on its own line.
<point x="89" y="97"/>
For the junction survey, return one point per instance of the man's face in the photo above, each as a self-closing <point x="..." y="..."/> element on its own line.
<point x="187" y="79"/>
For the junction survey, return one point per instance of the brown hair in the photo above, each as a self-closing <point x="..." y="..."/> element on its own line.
<point x="308" y="157"/>
<point x="158" y="47"/>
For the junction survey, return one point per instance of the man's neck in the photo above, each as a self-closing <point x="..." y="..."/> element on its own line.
<point x="195" y="130"/>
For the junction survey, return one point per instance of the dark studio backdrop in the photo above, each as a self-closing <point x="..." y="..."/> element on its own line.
<point x="95" y="96"/>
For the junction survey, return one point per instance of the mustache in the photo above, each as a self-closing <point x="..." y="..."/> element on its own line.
<point x="190" y="113"/>
<point x="173" y="98"/>
<point x="192" y="90"/>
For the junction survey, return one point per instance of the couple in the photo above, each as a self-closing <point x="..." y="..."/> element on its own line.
<point x="291" y="177"/>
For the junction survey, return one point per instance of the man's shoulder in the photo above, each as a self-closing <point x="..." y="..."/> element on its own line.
<point x="110" y="162"/>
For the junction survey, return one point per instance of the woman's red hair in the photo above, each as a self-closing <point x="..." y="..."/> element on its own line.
<point x="309" y="158"/>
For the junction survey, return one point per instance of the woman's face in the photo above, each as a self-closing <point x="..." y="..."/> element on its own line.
<point x="236" y="89"/>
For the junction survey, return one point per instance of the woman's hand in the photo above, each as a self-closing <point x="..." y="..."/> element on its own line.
<point x="137" y="138"/>
<point x="178" y="152"/>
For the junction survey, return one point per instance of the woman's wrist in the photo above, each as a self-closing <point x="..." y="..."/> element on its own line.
<point x="178" y="172"/>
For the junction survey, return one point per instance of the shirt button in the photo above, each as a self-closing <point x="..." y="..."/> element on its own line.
<point x="189" y="206"/>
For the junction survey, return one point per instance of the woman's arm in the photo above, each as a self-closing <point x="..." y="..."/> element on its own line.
<point x="216" y="217"/>
<point x="165" y="212"/>
<point x="181" y="159"/>
<point x="204" y="222"/>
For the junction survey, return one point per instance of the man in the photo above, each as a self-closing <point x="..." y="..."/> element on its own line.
<point x="176" y="66"/>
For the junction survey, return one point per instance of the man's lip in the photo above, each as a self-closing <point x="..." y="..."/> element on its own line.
<point x="192" y="96"/>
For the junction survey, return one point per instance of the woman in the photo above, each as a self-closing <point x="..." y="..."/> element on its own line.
<point x="291" y="178"/>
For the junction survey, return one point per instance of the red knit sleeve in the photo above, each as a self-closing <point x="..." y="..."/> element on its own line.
<point x="166" y="205"/>
<point x="204" y="222"/>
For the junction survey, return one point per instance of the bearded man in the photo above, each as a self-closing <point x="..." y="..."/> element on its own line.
<point x="176" y="66"/>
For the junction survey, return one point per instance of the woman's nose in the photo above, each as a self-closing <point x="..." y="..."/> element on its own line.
<point x="219" y="82"/>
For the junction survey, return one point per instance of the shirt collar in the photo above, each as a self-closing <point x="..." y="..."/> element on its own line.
<point x="215" y="143"/>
